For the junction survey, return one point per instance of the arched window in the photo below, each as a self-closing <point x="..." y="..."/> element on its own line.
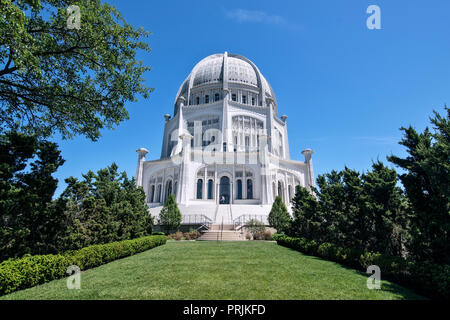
<point x="239" y="189"/>
<point x="249" y="189"/>
<point x="216" y="97"/>
<point x="280" y="189"/>
<point x="199" y="188"/>
<point x="207" y="99"/>
<point x="198" y="100"/>
<point x="158" y="194"/>
<point x="152" y="194"/>
<point x="169" y="189"/>
<point x="210" y="189"/>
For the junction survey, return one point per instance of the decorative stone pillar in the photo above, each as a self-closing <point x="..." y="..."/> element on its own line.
<point x="185" y="166"/>
<point x="266" y="194"/>
<point x="309" y="168"/>
<point x="166" y="138"/>
<point x="140" y="166"/>
<point x="270" y="126"/>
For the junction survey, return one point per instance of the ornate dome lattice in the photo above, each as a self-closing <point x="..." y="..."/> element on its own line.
<point x="236" y="69"/>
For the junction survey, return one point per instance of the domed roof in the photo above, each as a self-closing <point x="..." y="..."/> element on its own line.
<point x="234" y="68"/>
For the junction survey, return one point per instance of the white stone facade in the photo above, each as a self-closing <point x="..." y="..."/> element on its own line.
<point x="225" y="152"/>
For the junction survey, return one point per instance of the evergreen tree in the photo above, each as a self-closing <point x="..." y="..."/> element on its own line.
<point x="307" y="218"/>
<point x="28" y="221"/>
<point x="103" y="207"/>
<point x="279" y="217"/>
<point x="427" y="185"/>
<point x="170" y="216"/>
<point x="384" y="207"/>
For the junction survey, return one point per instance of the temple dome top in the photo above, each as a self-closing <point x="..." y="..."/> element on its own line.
<point x="237" y="71"/>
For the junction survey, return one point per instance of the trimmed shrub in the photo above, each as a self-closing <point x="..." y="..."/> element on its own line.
<point x="255" y="227"/>
<point x="267" y="235"/>
<point x="178" y="235"/>
<point x="29" y="271"/>
<point x="194" y="234"/>
<point x="187" y="236"/>
<point x="429" y="279"/>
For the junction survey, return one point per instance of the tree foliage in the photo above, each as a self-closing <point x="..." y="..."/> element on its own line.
<point x="70" y="81"/>
<point x="365" y="211"/>
<point x="103" y="207"/>
<point x="279" y="217"/>
<point x="29" y="222"/>
<point x="170" y="216"/>
<point x="254" y="227"/>
<point x="427" y="184"/>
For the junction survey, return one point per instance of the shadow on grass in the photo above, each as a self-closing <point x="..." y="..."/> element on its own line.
<point x="387" y="284"/>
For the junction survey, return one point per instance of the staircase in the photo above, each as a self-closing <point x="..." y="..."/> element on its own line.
<point x="223" y="214"/>
<point x="222" y="228"/>
<point x="216" y="233"/>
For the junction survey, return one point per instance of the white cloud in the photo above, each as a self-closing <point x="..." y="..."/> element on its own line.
<point x="242" y="15"/>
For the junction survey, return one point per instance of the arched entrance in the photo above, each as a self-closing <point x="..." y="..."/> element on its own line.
<point x="224" y="190"/>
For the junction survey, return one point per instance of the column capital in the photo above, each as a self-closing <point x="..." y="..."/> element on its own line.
<point x="181" y="99"/>
<point x="307" y="153"/>
<point x="186" y="136"/>
<point x="142" y="152"/>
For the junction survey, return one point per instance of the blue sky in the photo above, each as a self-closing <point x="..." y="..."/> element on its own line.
<point x="345" y="89"/>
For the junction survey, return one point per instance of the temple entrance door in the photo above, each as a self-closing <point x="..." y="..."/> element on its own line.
<point x="224" y="190"/>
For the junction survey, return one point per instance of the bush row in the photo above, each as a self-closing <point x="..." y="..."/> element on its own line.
<point x="29" y="271"/>
<point x="429" y="279"/>
<point x="191" y="235"/>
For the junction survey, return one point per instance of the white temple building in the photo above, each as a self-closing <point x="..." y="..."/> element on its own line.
<point x="225" y="151"/>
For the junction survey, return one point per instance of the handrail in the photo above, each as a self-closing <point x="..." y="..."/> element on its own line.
<point x="196" y="219"/>
<point x="243" y="219"/>
<point x="215" y="213"/>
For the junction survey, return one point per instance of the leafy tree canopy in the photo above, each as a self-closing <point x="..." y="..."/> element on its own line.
<point x="68" y="81"/>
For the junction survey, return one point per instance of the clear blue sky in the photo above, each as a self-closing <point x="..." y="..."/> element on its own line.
<point x="346" y="89"/>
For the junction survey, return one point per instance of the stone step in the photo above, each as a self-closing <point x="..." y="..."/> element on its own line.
<point x="223" y="236"/>
<point x="227" y="227"/>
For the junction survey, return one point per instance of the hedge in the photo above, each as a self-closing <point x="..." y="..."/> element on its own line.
<point x="431" y="280"/>
<point x="29" y="271"/>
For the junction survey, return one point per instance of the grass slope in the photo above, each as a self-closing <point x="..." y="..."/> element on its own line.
<point x="218" y="270"/>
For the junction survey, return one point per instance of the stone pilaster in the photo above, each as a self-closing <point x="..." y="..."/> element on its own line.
<point x="140" y="166"/>
<point x="310" y="182"/>
<point x="185" y="168"/>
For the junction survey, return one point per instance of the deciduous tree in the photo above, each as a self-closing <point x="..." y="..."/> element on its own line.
<point x="54" y="79"/>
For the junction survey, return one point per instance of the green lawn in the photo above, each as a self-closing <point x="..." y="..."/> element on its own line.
<point x="218" y="270"/>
